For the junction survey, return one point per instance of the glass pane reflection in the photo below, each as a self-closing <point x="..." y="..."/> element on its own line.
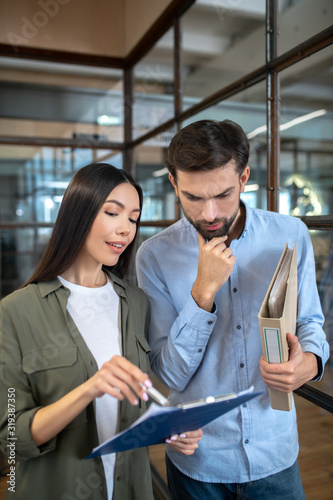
<point x="85" y="109"/>
<point x="159" y="200"/>
<point x="306" y="136"/>
<point x="229" y="41"/>
<point x="323" y="250"/>
<point x="300" y="20"/>
<point x="21" y="250"/>
<point x="154" y="87"/>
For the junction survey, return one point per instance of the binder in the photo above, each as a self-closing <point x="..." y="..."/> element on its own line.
<point x="277" y="317"/>
<point x="161" y="422"/>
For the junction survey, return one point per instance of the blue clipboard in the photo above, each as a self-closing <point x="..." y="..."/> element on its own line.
<point x="161" y="422"/>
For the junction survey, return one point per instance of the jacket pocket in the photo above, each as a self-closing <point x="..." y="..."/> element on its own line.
<point x="52" y="372"/>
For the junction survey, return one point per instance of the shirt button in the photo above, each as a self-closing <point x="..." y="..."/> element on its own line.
<point x="242" y="365"/>
<point x="199" y="350"/>
<point x="238" y="327"/>
<point x="210" y="322"/>
<point x="245" y="405"/>
<point x="246" y="441"/>
<point x="235" y="290"/>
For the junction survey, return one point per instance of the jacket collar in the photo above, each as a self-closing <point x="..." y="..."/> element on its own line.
<point x="50" y="286"/>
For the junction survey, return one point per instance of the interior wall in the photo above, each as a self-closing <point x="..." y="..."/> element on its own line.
<point x="100" y="27"/>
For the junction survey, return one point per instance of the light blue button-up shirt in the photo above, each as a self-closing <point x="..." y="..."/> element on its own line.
<point x="197" y="353"/>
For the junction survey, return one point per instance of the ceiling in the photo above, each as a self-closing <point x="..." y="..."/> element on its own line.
<point x="223" y="40"/>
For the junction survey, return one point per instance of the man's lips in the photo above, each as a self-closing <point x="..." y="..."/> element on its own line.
<point x="213" y="227"/>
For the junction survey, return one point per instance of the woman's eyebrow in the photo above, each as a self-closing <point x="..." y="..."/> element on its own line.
<point x="121" y="205"/>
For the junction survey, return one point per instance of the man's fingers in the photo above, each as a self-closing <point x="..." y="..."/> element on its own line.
<point x="201" y="240"/>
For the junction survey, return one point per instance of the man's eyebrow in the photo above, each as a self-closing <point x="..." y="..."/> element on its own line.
<point x="121" y="205"/>
<point x="223" y="193"/>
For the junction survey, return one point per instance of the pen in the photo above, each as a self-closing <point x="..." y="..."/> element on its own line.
<point x="155" y="395"/>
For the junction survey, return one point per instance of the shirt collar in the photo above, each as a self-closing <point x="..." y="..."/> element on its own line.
<point x="248" y="217"/>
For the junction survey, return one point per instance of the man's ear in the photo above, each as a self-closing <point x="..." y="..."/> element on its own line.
<point x="244" y="178"/>
<point x="174" y="183"/>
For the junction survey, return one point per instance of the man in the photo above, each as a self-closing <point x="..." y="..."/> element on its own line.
<point x="206" y="277"/>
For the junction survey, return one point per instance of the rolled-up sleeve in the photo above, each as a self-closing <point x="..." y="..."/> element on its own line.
<point x="16" y="399"/>
<point x="178" y="339"/>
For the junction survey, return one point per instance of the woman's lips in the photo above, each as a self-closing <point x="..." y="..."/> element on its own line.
<point x="117" y="249"/>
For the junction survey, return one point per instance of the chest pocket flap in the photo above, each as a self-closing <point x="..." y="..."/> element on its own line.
<point x="52" y="372"/>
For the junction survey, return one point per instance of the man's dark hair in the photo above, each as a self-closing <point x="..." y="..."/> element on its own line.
<point x="208" y="144"/>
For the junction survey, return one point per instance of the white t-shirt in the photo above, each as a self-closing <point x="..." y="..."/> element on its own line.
<point x="96" y="314"/>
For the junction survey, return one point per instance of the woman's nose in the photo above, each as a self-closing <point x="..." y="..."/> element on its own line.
<point x="124" y="226"/>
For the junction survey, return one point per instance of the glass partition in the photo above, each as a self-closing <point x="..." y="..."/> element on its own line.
<point x="154" y="87"/>
<point x="159" y="197"/>
<point x="322" y="242"/>
<point x="300" y="20"/>
<point x="69" y="106"/>
<point x="306" y="137"/>
<point x="229" y="41"/>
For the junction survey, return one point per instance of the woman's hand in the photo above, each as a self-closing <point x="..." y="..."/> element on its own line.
<point x="119" y="378"/>
<point x="185" y="443"/>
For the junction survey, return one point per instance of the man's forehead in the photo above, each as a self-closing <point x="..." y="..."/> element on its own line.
<point x="217" y="179"/>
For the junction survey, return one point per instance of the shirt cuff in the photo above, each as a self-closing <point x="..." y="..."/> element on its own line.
<point x="198" y="318"/>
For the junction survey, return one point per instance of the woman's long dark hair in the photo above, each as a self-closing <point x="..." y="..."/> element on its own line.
<point x="83" y="199"/>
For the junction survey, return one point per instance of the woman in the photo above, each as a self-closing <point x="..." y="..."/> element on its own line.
<point x="73" y="346"/>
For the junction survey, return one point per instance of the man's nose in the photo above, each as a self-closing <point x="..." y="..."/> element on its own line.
<point x="210" y="210"/>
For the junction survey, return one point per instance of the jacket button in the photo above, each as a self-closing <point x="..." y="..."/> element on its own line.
<point x="124" y="419"/>
<point x="119" y="478"/>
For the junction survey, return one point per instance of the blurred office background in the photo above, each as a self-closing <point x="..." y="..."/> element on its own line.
<point x="86" y="81"/>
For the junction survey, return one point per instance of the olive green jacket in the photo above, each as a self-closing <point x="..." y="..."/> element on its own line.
<point x="43" y="357"/>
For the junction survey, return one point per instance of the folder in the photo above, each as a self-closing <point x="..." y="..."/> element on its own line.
<point x="277" y="317"/>
<point x="161" y="422"/>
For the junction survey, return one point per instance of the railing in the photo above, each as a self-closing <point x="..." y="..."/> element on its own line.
<point x="316" y="397"/>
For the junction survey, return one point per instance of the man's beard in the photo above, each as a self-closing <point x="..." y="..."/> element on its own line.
<point x="208" y="235"/>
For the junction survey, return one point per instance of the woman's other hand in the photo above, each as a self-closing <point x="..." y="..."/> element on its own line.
<point x="185" y="443"/>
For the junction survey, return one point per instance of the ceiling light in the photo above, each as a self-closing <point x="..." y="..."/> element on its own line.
<point x="108" y="120"/>
<point x="251" y="187"/>
<point x="159" y="173"/>
<point x="291" y="123"/>
<point x="303" y="118"/>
